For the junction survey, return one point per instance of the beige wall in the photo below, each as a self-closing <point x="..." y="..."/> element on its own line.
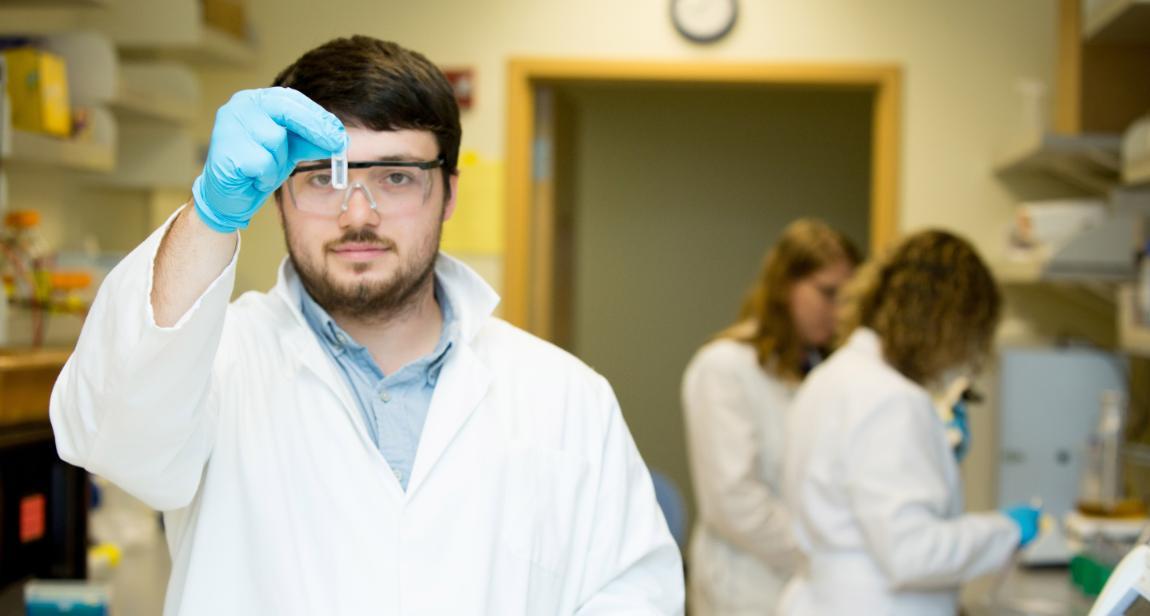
<point x="677" y="194"/>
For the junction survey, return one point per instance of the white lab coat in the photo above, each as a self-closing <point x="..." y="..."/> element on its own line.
<point x="527" y="497"/>
<point x="874" y="488"/>
<point x="742" y="549"/>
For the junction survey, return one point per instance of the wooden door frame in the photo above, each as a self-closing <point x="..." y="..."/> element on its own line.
<point x="524" y="74"/>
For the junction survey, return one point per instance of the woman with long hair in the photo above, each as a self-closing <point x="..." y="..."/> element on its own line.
<point x="869" y="475"/>
<point x="735" y="392"/>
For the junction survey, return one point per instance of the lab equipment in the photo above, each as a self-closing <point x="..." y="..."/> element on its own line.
<point x="37" y="88"/>
<point x="1049" y="549"/>
<point x="1049" y="407"/>
<point x="339" y="170"/>
<point x="1100" y="486"/>
<point x="240" y="172"/>
<point x="66" y="598"/>
<point x="43" y="504"/>
<point x="1129" y="582"/>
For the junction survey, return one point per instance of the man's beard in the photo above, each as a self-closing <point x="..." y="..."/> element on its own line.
<point x="368" y="300"/>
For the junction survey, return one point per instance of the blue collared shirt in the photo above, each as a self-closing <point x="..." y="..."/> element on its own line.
<point x="394" y="406"/>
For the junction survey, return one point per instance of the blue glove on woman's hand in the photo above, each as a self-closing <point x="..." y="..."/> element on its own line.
<point x="258" y="138"/>
<point x="1026" y="517"/>
<point x="961" y="424"/>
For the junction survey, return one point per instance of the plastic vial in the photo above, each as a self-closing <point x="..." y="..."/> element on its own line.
<point x="339" y="170"/>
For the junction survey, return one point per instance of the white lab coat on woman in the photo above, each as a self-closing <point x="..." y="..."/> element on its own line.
<point x="742" y="549"/>
<point x="874" y="488"/>
<point x="527" y="497"/>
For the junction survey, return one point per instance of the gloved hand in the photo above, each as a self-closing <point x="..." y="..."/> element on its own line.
<point x="1026" y="517"/>
<point x="959" y="425"/>
<point x="258" y="138"/>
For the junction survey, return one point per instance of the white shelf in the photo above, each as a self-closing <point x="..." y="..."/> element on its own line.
<point x="1133" y="336"/>
<point x="1118" y="22"/>
<point x="36" y="149"/>
<point x="211" y="48"/>
<point x="170" y="29"/>
<point x="1089" y="162"/>
<point x="1012" y="272"/>
<point x="1016" y="272"/>
<point x="164" y="91"/>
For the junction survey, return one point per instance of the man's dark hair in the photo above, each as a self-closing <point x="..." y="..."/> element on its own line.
<point x="379" y="85"/>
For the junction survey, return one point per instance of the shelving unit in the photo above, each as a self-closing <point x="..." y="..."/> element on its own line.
<point x="1122" y="22"/>
<point x="170" y="29"/>
<point x="164" y="91"/>
<point x="1087" y="162"/>
<point x="43" y="150"/>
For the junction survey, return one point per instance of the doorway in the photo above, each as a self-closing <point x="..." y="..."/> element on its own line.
<point x="642" y="198"/>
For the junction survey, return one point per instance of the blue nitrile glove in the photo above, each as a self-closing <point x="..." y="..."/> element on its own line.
<point x="258" y="138"/>
<point x="962" y="424"/>
<point x="1026" y="517"/>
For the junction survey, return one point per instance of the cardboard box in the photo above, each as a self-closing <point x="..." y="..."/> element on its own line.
<point x="38" y="91"/>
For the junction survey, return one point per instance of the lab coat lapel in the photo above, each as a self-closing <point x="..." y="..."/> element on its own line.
<point x="462" y="385"/>
<point x="311" y="357"/>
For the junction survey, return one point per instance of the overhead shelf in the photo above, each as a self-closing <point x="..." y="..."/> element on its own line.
<point x="1133" y="333"/>
<point x="212" y="47"/>
<point x="44" y="150"/>
<point x="1117" y="22"/>
<point x="171" y="29"/>
<point x="96" y="151"/>
<point x="1089" y="162"/>
<point x="1026" y="272"/>
<point x="1101" y="253"/>
<point x="163" y="91"/>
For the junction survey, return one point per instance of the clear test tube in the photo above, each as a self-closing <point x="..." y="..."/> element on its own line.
<point x="339" y="170"/>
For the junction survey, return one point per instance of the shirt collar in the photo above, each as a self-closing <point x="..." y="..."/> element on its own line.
<point x="325" y="327"/>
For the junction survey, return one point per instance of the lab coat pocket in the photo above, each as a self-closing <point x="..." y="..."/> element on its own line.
<point x="541" y="503"/>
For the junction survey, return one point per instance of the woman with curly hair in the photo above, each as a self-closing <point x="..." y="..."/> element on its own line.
<point x="735" y="392"/>
<point x="869" y="475"/>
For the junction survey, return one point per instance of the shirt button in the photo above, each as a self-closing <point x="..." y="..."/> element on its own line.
<point x="386" y="397"/>
<point x="399" y="476"/>
<point x="341" y="339"/>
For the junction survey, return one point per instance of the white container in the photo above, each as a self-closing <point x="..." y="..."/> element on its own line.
<point x="1101" y="481"/>
<point x="1052" y="222"/>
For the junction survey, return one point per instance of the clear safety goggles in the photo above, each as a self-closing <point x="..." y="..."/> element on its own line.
<point x="398" y="186"/>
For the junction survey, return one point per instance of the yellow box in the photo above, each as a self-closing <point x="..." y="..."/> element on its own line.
<point x="38" y="91"/>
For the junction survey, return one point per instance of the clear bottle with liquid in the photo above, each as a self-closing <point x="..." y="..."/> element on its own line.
<point x="1100" y="487"/>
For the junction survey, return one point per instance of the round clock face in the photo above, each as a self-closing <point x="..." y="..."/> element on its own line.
<point x="704" y="21"/>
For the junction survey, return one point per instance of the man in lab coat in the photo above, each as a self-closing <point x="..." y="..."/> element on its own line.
<point x="366" y="438"/>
